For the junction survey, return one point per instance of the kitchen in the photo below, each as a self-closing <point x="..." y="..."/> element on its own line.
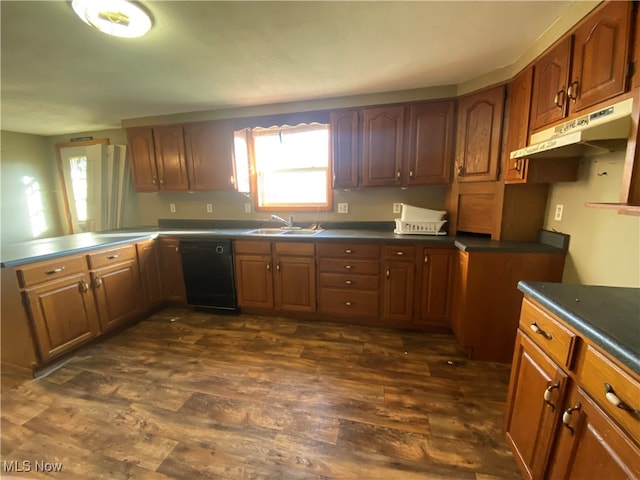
<point x="595" y="257"/>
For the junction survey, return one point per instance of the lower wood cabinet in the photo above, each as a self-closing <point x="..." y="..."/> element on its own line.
<point x="150" y="275"/>
<point x="63" y="313"/>
<point x="172" y="279"/>
<point x="435" y="286"/>
<point x="116" y="282"/>
<point x="398" y="282"/>
<point x="559" y="422"/>
<point x="280" y="275"/>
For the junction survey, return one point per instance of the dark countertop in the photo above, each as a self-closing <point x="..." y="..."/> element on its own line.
<point x="608" y="316"/>
<point x="48" y="248"/>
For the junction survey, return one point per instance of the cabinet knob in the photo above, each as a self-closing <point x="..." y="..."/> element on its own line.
<point x="548" y="393"/>
<point x="348" y="282"/>
<point x="387" y="273"/>
<point x="348" y="250"/>
<point x="84" y="286"/>
<point x="426" y="259"/>
<point x="278" y="267"/>
<point x="459" y="169"/>
<point x="410" y="173"/>
<point x="400" y="253"/>
<point x="97" y="281"/>
<point x="566" y="416"/>
<point x="348" y="267"/>
<point x="162" y="181"/>
<point x="611" y="396"/>
<point x="348" y="304"/>
<point x="536" y="329"/>
<point x="154" y="180"/>
<point x="398" y="174"/>
<point x="268" y="267"/>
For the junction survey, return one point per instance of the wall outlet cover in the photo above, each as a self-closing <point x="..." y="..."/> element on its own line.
<point x="343" y="208"/>
<point x="397" y="208"/>
<point x="209" y="208"/>
<point x="559" y="211"/>
<point x="172" y="207"/>
<point x="247" y="208"/>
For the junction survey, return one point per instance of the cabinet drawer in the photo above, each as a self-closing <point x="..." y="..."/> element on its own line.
<point x="338" y="265"/>
<point x="599" y="376"/>
<point x="294" y="248"/>
<point x="252" y="247"/>
<point x="349" y="282"/>
<point x="111" y="256"/>
<point x="348" y="303"/>
<point x="400" y="252"/>
<point x="51" y="270"/>
<point x="548" y="333"/>
<point x="348" y="250"/>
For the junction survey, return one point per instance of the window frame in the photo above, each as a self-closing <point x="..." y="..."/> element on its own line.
<point x="253" y="172"/>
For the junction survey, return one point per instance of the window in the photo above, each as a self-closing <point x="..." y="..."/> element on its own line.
<point x="289" y="166"/>
<point x="78" y="170"/>
<point x="35" y="205"/>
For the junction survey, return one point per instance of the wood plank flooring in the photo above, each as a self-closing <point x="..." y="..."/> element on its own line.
<point x="192" y="395"/>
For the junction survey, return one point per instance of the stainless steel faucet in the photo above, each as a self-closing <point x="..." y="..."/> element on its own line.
<point x="287" y="224"/>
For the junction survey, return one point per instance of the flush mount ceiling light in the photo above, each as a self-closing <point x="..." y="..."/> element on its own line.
<point x="113" y="17"/>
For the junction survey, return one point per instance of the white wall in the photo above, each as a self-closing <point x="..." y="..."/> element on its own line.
<point x="605" y="246"/>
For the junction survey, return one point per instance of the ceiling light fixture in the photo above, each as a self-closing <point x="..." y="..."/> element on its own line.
<point x="114" y="17"/>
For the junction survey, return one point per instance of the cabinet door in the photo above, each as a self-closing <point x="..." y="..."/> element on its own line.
<point x="600" y="56"/>
<point x="397" y="290"/>
<point x="209" y="152"/>
<point x="435" y="288"/>
<point x="430" y="143"/>
<point x="117" y="291"/>
<point x="254" y="281"/>
<point x="590" y="445"/>
<point x="382" y="133"/>
<point x="149" y="265"/>
<point x="534" y="403"/>
<point x="143" y="159"/>
<point x="344" y="148"/>
<point x="479" y="135"/>
<point x="550" y="83"/>
<point x="170" y="158"/>
<point x="172" y="279"/>
<point x="63" y="314"/>
<point x="515" y="171"/>
<point x="295" y="284"/>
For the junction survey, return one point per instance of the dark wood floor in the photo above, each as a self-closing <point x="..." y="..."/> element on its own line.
<point x="193" y="395"/>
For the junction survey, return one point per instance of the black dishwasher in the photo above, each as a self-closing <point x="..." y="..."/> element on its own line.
<point x="209" y="278"/>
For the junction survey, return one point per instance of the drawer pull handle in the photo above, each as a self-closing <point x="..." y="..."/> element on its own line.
<point x="112" y="257"/>
<point x="97" y="281"/>
<point x="566" y="416"/>
<point x="534" y="326"/>
<point x="400" y="253"/>
<point x="348" y="267"/>
<point x="348" y="282"/>
<point x="55" y="270"/>
<point x="348" y="304"/>
<point x="348" y="250"/>
<point x="84" y="286"/>
<point x="610" y="394"/>
<point x="548" y="392"/>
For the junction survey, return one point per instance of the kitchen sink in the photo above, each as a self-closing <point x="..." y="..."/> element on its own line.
<point x="284" y="231"/>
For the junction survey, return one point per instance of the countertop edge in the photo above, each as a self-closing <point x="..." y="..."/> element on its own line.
<point x="595" y="335"/>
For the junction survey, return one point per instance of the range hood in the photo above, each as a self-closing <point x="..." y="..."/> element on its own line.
<point x="601" y="131"/>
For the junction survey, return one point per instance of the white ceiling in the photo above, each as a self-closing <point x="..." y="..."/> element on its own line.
<point x="61" y="76"/>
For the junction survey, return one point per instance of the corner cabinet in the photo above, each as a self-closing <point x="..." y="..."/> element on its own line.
<point x="563" y="418"/>
<point x="479" y="135"/>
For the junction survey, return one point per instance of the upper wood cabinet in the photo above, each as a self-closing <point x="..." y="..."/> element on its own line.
<point x="430" y="145"/>
<point x="181" y="158"/>
<point x="170" y="158"/>
<point x="599" y="50"/>
<point x="209" y="153"/>
<point x="382" y="145"/>
<point x="158" y="159"/>
<point x="479" y="135"/>
<point x="345" y="150"/>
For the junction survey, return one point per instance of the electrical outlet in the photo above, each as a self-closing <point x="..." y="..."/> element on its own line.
<point x="343" y="208"/>
<point x="172" y="207"/>
<point x="247" y="208"/>
<point x="397" y="208"/>
<point x="209" y="208"/>
<point x="559" y="210"/>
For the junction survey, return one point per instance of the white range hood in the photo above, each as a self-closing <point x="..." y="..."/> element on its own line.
<point x="601" y="131"/>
